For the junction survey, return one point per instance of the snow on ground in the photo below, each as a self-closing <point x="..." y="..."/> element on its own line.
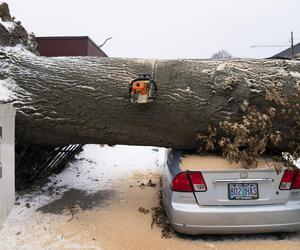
<point x="117" y="162"/>
<point x="94" y="204"/>
<point x="97" y="168"/>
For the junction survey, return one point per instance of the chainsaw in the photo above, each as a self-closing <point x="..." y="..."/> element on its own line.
<point x="142" y="89"/>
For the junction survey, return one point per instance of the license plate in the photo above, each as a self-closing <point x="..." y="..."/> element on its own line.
<point x="243" y="191"/>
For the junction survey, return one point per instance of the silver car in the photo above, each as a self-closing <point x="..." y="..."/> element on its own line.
<point x="208" y="195"/>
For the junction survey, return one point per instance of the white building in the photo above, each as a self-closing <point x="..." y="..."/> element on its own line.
<point x="7" y="160"/>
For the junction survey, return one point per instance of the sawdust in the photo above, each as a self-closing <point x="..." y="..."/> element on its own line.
<point x="160" y="218"/>
<point x="121" y="226"/>
<point x="114" y="214"/>
<point x="209" y="162"/>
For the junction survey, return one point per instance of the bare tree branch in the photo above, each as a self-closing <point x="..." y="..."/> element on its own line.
<point x="101" y="45"/>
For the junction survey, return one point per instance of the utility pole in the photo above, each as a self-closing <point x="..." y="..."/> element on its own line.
<point x="275" y="45"/>
<point x="292" y="44"/>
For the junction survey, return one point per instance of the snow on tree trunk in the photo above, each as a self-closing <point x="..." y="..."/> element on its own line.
<point x="200" y="104"/>
<point x="85" y="100"/>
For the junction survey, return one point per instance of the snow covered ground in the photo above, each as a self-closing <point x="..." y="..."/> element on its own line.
<point x="94" y="203"/>
<point x="97" y="168"/>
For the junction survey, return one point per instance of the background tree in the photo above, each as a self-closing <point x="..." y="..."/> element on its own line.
<point x="222" y="54"/>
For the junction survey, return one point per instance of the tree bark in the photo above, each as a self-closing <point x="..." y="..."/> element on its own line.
<point x="64" y="101"/>
<point x="80" y="100"/>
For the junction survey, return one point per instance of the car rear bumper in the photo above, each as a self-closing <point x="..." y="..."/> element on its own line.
<point x="195" y="219"/>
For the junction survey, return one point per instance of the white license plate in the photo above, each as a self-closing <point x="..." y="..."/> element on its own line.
<point x="243" y="191"/>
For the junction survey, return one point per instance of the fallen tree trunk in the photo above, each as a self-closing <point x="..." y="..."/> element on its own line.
<point x="80" y="100"/>
<point x="85" y="100"/>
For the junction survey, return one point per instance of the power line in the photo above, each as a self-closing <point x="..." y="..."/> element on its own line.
<point x="258" y="46"/>
<point x="276" y="45"/>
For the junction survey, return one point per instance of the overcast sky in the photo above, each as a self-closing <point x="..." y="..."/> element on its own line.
<point x="167" y="28"/>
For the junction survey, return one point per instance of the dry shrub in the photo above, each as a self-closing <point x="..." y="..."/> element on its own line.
<point x="246" y="140"/>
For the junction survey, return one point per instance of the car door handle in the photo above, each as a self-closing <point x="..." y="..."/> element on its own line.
<point x="243" y="180"/>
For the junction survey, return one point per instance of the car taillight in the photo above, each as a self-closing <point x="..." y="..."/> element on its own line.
<point x="290" y="180"/>
<point x="296" y="180"/>
<point x="181" y="183"/>
<point x="197" y="181"/>
<point x="286" y="181"/>
<point x="188" y="182"/>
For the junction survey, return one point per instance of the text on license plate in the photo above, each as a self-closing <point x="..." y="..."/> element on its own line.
<point x="243" y="191"/>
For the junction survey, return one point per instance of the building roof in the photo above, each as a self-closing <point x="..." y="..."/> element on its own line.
<point x="287" y="54"/>
<point x="69" y="46"/>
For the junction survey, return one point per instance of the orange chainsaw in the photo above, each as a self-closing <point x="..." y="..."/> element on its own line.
<point x="143" y="89"/>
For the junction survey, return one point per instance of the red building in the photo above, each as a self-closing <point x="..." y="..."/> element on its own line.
<point x="68" y="46"/>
